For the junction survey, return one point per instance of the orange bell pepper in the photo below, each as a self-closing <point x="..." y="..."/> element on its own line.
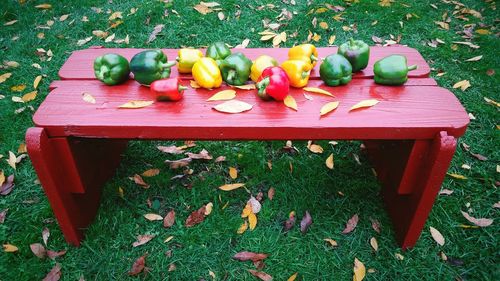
<point x="298" y="72"/>
<point x="304" y="52"/>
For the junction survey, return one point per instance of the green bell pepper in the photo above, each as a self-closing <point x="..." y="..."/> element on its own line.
<point x="235" y="69"/>
<point x="218" y="51"/>
<point x="111" y="69"/>
<point x="392" y="70"/>
<point x="335" y="70"/>
<point x="149" y="66"/>
<point x="356" y="52"/>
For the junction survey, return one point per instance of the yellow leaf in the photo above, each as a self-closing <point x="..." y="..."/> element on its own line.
<point x="457" y="176"/>
<point x="29" y="96"/>
<point x="194" y="84"/>
<point x="115" y="15"/>
<point x="290" y="102"/>
<point x="338" y="17"/>
<point x="331" y="40"/>
<point x="374" y="243"/>
<point x="252" y="220"/>
<point x="318" y="91"/>
<point x="120" y="192"/>
<point x="316" y="37"/>
<point x="245" y="87"/>
<point x="385" y="3"/>
<point x="233" y="173"/>
<point x="223" y="95"/>
<point x="437" y="236"/>
<point x="233" y="106"/>
<point x="88" y="97"/>
<point x="37" y="81"/>
<point x="168" y="239"/>
<point x="18" y="88"/>
<point x="4" y="77"/>
<point x="332" y="242"/>
<point x="399" y="256"/>
<point x="463" y="85"/>
<point x="243" y="227"/>
<point x="153" y="217"/>
<point x="208" y="208"/>
<point x="293" y="277"/>
<point x="359" y="270"/>
<point x="151" y="173"/>
<point x="137" y="104"/>
<point x="43" y="6"/>
<point x="483" y="31"/>
<point x="268" y="37"/>
<point x="364" y="104"/>
<point x="232" y="186"/>
<point x="328" y="107"/>
<point x="247" y="210"/>
<point x="12" y="160"/>
<point x="323" y="25"/>
<point x="329" y="162"/>
<point x="8" y="248"/>
<point x="315" y="148"/>
<point x="443" y="25"/>
<point x="2" y="177"/>
<point x="321" y="10"/>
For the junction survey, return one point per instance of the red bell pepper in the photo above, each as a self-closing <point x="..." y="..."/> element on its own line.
<point x="167" y="89"/>
<point x="273" y="83"/>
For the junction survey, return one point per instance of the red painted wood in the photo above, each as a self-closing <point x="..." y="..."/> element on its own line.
<point x="414" y="164"/>
<point x="80" y="64"/>
<point x="405" y="112"/>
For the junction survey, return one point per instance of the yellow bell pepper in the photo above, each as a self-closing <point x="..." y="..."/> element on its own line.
<point x="206" y="73"/>
<point x="186" y="59"/>
<point x="259" y="65"/>
<point x="304" y="52"/>
<point x="298" y="72"/>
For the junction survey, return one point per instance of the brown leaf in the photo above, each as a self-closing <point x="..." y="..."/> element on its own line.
<point x="233" y="106"/>
<point x="233" y="186"/>
<point x="479" y="156"/>
<point x="54" y="254"/>
<point x="45" y="235"/>
<point x="329" y="162"/>
<point x="3" y="214"/>
<point x="305" y="222"/>
<point x="7" y="186"/>
<point x="359" y="270"/>
<point x="202" y="155"/>
<point x="142" y="239"/>
<point x="175" y="164"/>
<point x="9" y="248"/>
<point x="151" y="173"/>
<point x="261" y="275"/>
<point x="332" y="242"/>
<point x="136" y="104"/>
<point x="157" y="29"/>
<point x="375" y="225"/>
<point x="169" y="219"/>
<point x="270" y="193"/>
<point x="252" y="221"/>
<point x="249" y="256"/>
<point x="139" y="181"/>
<point x="196" y="217"/>
<point x="54" y="274"/>
<point x="437" y="236"/>
<point x="351" y="224"/>
<point x="170" y="149"/>
<point x="290" y="222"/>
<point x="138" y="266"/>
<point x="479" y="222"/>
<point x="43" y="6"/>
<point x="153" y="217"/>
<point x="38" y="249"/>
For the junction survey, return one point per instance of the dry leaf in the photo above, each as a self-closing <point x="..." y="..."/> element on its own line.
<point x="290" y="102"/>
<point x="54" y="274"/>
<point x="250" y="256"/>
<point x="328" y="107"/>
<point x="63" y="17"/>
<point x="245" y="87"/>
<point x="10" y="22"/>
<point x="208" y="208"/>
<point x="243" y="227"/>
<point x="136" y="104"/>
<point x="8" y="248"/>
<point x="196" y="217"/>
<point x="351" y="224"/>
<point x="115" y="15"/>
<point x="157" y="29"/>
<point x="229" y="187"/>
<point x="305" y="222"/>
<point x="142" y="239"/>
<point x="171" y="149"/>
<point x="204" y="155"/>
<point x="315" y="148"/>
<point x="463" y="85"/>
<point x="359" y="270"/>
<point x="84" y="41"/>
<point x="254" y="204"/>
<point x="168" y="239"/>
<point x="293" y="277"/>
<point x="138" y="266"/>
<point x="4" y="77"/>
<point x="45" y="235"/>
<point x="331" y="40"/>
<point x="12" y="160"/>
<point x="399" y="256"/>
<point x="374" y="243"/>
<point x="221" y="16"/>
<point x="290" y="222"/>
<point x="37" y="81"/>
<point x="18" y="88"/>
<point x="457" y="176"/>
<point x="479" y="222"/>
<point x="261" y="275"/>
<point x="138" y="180"/>
<point x="233" y="106"/>
<point x="110" y="38"/>
<point x="332" y="242"/>
<point x="445" y="192"/>
<point x="169" y="219"/>
<point x="233" y="173"/>
<point x="175" y="164"/>
<point x="243" y="44"/>
<point x="317" y="91"/>
<point x="150" y="173"/>
<point x="252" y="221"/>
<point x="153" y="217"/>
<point x="202" y="9"/>
<point x="54" y="254"/>
<point x="43" y="6"/>
<point x="323" y="25"/>
<point x="437" y="236"/>
<point x="29" y="96"/>
<point x="467" y="44"/>
<point x="364" y="104"/>
<point x="223" y="95"/>
<point x="329" y="162"/>
<point x="375" y="225"/>
<point x="476" y="58"/>
<point x="39" y="250"/>
<point x="270" y="193"/>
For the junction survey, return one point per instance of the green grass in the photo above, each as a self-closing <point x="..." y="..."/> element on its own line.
<point x="107" y="254"/>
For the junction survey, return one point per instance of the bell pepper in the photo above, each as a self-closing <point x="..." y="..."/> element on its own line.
<point x="335" y="70"/>
<point x="259" y="65"/>
<point x="149" y="66"/>
<point x="167" y="89"/>
<point x="111" y="69"/>
<point x="273" y="83"/>
<point x="186" y="59"/>
<point x="235" y="69"/>
<point x="392" y="70"/>
<point x="304" y="52"/>
<point x="298" y="72"/>
<point x="206" y="73"/>
<point x="356" y="52"/>
<point x="218" y="51"/>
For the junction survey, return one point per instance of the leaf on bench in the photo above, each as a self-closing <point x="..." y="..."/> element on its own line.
<point x="233" y="106"/>
<point x="364" y="104"/>
<point x="136" y="104"/>
<point x="223" y="95"/>
<point x="290" y="102"/>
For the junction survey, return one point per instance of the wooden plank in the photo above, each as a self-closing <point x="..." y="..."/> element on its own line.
<point x="80" y="64"/>
<point x="405" y="112"/>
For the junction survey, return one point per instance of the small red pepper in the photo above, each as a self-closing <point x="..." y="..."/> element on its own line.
<point x="167" y="89"/>
<point x="273" y="83"/>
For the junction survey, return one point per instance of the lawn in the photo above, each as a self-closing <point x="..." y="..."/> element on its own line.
<point x="331" y="196"/>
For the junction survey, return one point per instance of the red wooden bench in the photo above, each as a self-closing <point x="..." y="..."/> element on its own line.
<point x="410" y="136"/>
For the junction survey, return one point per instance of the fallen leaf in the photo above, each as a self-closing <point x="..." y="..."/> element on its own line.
<point x="233" y="106"/>
<point x="18" y="88"/>
<point x="169" y="219"/>
<point x="194" y="84"/>
<point x="261" y="275"/>
<point x="157" y="29"/>
<point x="290" y="102"/>
<point x="245" y="87"/>
<point x="305" y="222"/>
<point x="4" y="77"/>
<point x="254" y="204"/>
<point x="457" y="176"/>
<point x="168" y="239"/>
<point x="151" y="173"/>
<point x="88" y="98"/>
<point x="142" y="239"/>
<point x="479" y="156"/>
<point x="445" y="192"/>
<point x="374" y="243"/>
<point x="153" y="217"/>
<point x="43" y="6"/>
<point x="399" y="256"/>
<point x="12" y="160"/>
<point x="45" y="235"/>
<point x="328" y="107"/>
<point x="243" y="44"/>
<point x="483" y="31"/>
<point x="170" y="149"/>
<point x="463" y="85"/>
<point x="203" y="155"/>
<point x="202" y="9"/>
<point x="139" y="181"/>
<point x="243" y="227"/>
<point x="250" y="256"/>
<point x="175" y="164"/>
<point x="10" y="22"/>
<point x="252" y="221"/>
<point x="39" y="250"/>
<point x="474" y="46"/>
<point x="496" y="205"/>
<point x="359" y="270"/>
<point x="29" y="96"/>
<point x="84" y="41"/>
<point x="329" y="162"/>
<point x="110" y="38"/>
<point x="223" y="95"/>
<point x="115" y="15"/>
<point x="290" y="222"/>
<point x="437" y="236"/>
<point x="3" y="214"/>
<point x="332" y="242"/>
<point x="54" y="254"/>
<point x="293" y="277"/>
<point x="476" y="58"/>
<point x="351" y="224"/>
<point x="63" y="17"/>
<point x="9" y="248"/>
<point x="364" y="104"/>
<point x="221" y="15"/>
<point x="318" y="91"/>
<point x="232" y="186"/>
<point x="196" y="217"/>
<point x="208" y="208"/>
<point x="138" y="266"/>
<point x="136" y="104"/>
<point x="37" y="81"/>
<point x="7" y="186"/>
<point x="479" y="222"/>
<point x="54" y="274"/>
<point x="270" y="193"/>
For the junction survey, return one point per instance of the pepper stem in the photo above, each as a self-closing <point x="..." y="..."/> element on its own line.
<point x="352" y="43"/>
<point x="305" y="74"/>
<point x="262" y="85"/>
<point x="412" y="67"/>
<point x="181" y="88"/>
<point x="313" y="58"/>
<point x="167" y="64"/>
<point x="230" y="75"/>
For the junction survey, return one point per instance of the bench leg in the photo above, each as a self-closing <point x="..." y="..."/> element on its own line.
<point x="411" y="173"/>
<point x="72" y="172"/>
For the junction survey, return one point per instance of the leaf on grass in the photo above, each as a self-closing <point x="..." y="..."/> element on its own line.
<point x="157" y="29"/>
<point x="9" y="248"/>
<point x="142" y="239"/>
<point x="290" y="102"/>
<point x="38" y="250"/>
<point x="4" y="77"/>
<point x="43" y="6"/>
<point x="233" y="106"/>
<point x="84" y="41"/>
<point x="293" y="277"/>
<point x="445" y="192"/>
<point x="290" y="222"/>
<point x="374" y="243"/>
<point x="233" y="173"/>
<point x="136" y="104"/>
<point x="437" y="236"/>
<point x="399" y="256"/>
<point x="305" y="222"/>
<point x="351" y="224"/>
<point x="29" y="96"/>
<point x="138" y="266"/>
<point x="88" y="98"/>
<point x="261" y="275"/>
<point x="170" y="149"/>
<point x="457" y="176"/>
<point x="7" y="186"/>
<point x="243" y="227"/>
<point x="270" y="193"/>
<point x="243" y="44"/>
<point x="359" y="270"/>
<point x="196" y="217"/>
<point x="474" y="46"/>
<point x="364" y="104"/>
<point x="245" y="87"/>
<point x="250" y="256"/>
<point x="45" y="235"/>
<point x="479" y="156"/>
<point x="139" y="181"/>
<point x="150" y="173"/>
<point x="169" y="219"/>
<point x="3" y="214"/>
<point x="168" y="239"/>
<point x="54" y="254"/>
<point x="482" y="222"/>
<point x="18" y="88"/>
<point x="12" y="160"/>
<point x="37" y="81"/>
<point x="476" y="58"/>
<point x="175" y="164"/>
<point x="332" y="242"/>
<point x="203" y="155"/>
<point x="318" y="91"/>
<point x="252" y="221"/>
<point x="2" y="177"/>
<point x="328" y="107"/>
<point x="208" y="208"/>
<point x="10" y="22"/>
<point x="153" y="217"/>
<point x="254" y="204"/>
<point x="54" y="274"/>
<point x="463" y="85"/>
<point x="223" y="95"/>
<point x="232" y="186"/>
<point x="329" y="162"/>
